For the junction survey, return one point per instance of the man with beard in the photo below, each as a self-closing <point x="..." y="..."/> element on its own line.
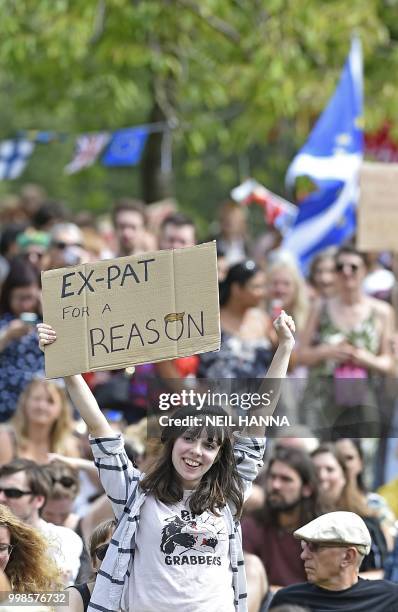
<point x="291" y="500"/>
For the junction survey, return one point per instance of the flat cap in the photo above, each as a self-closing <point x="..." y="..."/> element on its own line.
<point x="337" y="528"/>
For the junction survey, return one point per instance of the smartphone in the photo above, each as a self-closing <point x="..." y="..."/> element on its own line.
<point x="30" y="318"/>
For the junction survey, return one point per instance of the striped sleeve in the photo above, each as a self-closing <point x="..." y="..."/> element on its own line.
<point x="117" y="474"/>
<point x="249" y="454"/>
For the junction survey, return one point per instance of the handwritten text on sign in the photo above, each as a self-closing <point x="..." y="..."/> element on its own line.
<point x="132" y="310"/>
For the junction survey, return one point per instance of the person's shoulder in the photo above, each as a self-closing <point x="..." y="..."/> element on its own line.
<point x="250" y="523"/>
<point x="380" y="307"/>
<point x="383" y="586"/>
<point x="289" y="593"/>
<point x="7" y="431"/>
<point x="63" y="534"/>
<point x="75" y="598"/>
<point x="67" y="532"/>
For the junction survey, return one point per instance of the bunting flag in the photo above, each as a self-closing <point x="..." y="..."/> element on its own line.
<point x="43" y="137"/>
<point x="87" y="149"/>
<point x="126" y="147"/>
<point x="277" y="211"/>
<point x="14" y="155"/>
<point x="331" y="159"/>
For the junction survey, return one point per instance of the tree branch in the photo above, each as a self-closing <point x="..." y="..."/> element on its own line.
<point x="99" y="22"/>
<point x="217" y="24"/>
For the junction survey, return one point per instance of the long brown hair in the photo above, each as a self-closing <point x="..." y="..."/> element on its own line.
<point x="30" y="568"/>
<point x="101" y="534"/>
<point x="221" y="483"/>
<point x="351" y="499"/>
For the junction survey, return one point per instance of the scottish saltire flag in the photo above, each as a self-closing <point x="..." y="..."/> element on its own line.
<point x="14" y="155"/>
<point x="87" y="149"/>
<point x="331" y="159"/>
<point x="125" y="147"/>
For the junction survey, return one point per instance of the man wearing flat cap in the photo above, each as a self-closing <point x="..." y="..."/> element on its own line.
<point x="333" y="547"/>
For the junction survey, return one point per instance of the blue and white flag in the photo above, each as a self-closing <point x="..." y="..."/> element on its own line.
<point x="14" y="155"/>
<point x="331" y="159"/>
<point x="125" y="147"/>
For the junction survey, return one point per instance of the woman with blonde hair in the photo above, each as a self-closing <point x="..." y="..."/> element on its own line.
<point x="24" y="556"/>
<point x="42" y="424"/>
<point x="287" y="289"/>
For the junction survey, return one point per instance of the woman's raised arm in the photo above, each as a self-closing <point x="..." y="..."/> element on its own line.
<point x="79" y="392"/>
<point x="271" y="385"/>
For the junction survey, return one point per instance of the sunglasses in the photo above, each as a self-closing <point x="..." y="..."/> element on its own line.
<point x="343" y="266"/>
<point x="65" y="481"/>
<point x="12" y="493"/>
<point x="64" y="245"/>
<point x="6" y="548"/>
<point x="100" y="552"/>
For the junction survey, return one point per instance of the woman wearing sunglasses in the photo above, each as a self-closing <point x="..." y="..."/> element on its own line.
<point x="24" y="556"/>
<point x="79" y="595"/>
<point x="347" y="346"/>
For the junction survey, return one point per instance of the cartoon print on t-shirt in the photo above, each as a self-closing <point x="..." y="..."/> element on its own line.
<point x="192" y="533"/>
<point x="172" y="535"/>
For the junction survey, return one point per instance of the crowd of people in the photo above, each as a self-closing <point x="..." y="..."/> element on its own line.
<point x="95" y="499"/>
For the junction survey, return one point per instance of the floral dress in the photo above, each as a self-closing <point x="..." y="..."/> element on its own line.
<point x="342" y="394"/>
<point x="20" y="361"/>
<point x="237" y="358"/>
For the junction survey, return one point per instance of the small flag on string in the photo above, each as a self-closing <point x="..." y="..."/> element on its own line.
<point x="125" y="147"/>
<point x="277" y="211"/>
<point x="14" y="155"/>
<point x="43" y="137"/>
<point x="87" y="149"/>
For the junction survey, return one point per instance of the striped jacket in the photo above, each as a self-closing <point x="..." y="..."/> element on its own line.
<point x="121" y="483"/>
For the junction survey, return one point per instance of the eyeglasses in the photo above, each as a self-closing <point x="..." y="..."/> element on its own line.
<point x="12" y="493"/>
<point x="315" y="547"/>
<point x="340" y="267"/>
<point x="64" y="245"/>
<point x="65" y="481"/>
<point x="100" y="552"/>
<point x="5" y="549"/>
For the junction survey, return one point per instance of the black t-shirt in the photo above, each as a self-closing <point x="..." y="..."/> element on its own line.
<point x="364" y="596"/>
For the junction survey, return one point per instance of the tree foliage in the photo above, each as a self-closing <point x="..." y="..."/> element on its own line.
<point x="240" y="80"/>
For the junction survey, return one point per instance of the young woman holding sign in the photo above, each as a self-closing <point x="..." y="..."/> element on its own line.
<point x="177" y="543"/>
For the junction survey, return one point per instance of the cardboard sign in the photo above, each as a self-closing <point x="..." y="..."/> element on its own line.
<point x="378" y="207"/>
<point x="131" y="310"/>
